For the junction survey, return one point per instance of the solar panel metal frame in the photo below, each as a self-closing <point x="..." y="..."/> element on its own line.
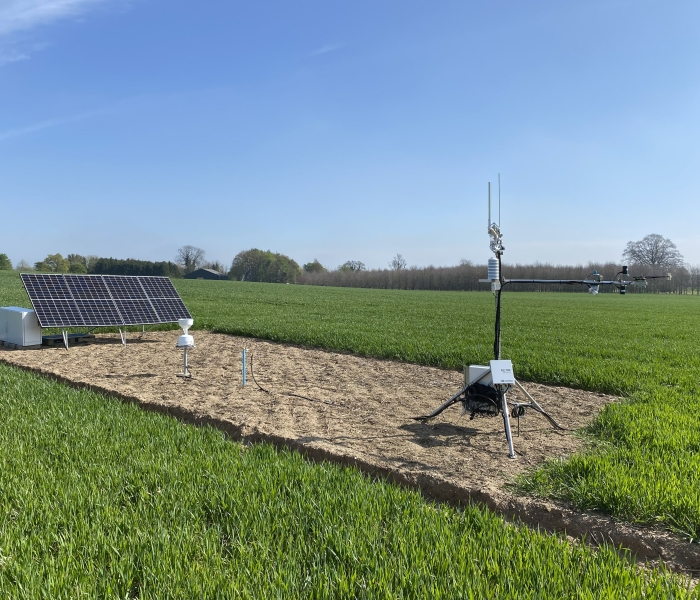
<point x="72" y="300"/>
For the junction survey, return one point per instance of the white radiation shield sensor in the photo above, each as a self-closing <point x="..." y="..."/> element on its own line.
<point x="185" y="324"/>
<point x="185" y="340"/>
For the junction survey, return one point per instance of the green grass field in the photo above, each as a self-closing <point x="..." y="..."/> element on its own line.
<point x="102" y="500"/>
<point x="644" y="463"/>
<point x="607" y="343"/>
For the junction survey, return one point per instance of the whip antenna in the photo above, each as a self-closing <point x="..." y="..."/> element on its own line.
<point x="489" y="205"/>
<point x="499" y="199"/>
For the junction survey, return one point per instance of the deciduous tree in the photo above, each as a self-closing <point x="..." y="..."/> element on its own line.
<point x="90" y="260"/>
<point x="314" y="267"/>
<point x="215" y="266"/>
<point x="398" y="263"/>
<point x="24" y="266"/>
<point x="54" y="263"/>
<point x="654" y="250"/>
<point x="265" y="266"/>
<point x="5" y="264"/>
<point x="77" y="259"/>
<point x="77" y="267"/>
<point x="352" y="265"/>
<point x="190" y="258"/>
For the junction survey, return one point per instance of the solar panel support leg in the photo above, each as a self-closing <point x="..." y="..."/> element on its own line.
<point x="65" y="338"/>
<point x="123" y="336"/>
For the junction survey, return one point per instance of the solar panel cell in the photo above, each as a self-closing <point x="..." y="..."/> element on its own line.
<point x="47" y="286"/>
<point x="170" y="310"/>
<point x="137" y="312"/>
<point x="88" y="288"/>
<point x="158" y="287"/>
<point x="124" y="287"/>
<point x="99" y="313"/>
<point x="58" y="313"/>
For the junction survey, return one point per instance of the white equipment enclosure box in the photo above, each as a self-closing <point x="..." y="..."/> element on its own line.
<point x="502" y="372"/>
<point x="480" y="374"/>
<point x="19" y="326"/>
<point x="499" y="372"/>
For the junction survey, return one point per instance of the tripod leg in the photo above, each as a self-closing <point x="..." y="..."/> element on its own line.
<point x="443" y="406"/>
<point x="506" y="423"/>
<point x="539" y="409"/>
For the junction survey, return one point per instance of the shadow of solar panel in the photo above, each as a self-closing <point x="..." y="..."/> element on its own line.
<point x="123" y="287"/>
<point x="137" y="312"/>
<point x="58" y="313"/>
<point x="99" y="313"/>
<point x="87" y="288"/>
<point x="170" y="309"/>
<point x="158" y="287"/>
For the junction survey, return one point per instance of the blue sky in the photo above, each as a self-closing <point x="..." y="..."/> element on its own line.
<point x="348" y="130"/>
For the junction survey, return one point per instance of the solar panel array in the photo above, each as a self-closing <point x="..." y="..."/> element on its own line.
<point x="103" y="300"/>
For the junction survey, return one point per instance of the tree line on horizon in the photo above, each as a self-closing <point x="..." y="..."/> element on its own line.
<point x="653" y="255"/>
<point x="79" y="264"/>
<point x="465" y="277"/>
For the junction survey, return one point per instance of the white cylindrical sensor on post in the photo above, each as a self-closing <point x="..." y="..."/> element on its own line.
<point x="185" y="340"/>
<point x="493" y="269"/>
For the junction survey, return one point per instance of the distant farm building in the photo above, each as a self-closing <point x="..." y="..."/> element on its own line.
<point x="206" y="274"/>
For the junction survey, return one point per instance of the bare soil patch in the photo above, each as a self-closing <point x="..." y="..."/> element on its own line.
<point x="357" y="411"/>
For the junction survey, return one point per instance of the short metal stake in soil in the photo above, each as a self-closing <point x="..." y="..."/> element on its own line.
<point x="185" y="370"/>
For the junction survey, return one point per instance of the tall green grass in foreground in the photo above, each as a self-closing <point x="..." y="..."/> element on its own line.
<point x="102" y="500"/>
<point x="644" y="465"/>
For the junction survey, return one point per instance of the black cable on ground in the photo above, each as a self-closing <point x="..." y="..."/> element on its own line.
<point x="252" y="374"/>
<point x="288" y="393"/>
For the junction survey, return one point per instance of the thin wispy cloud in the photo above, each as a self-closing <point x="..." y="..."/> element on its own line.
<point x="19" y="18"/>
<point x="23" y="15"/>
<point x="11" y="55"/>
<point x="29" y="129"/>
<point x="326" y="49"/>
